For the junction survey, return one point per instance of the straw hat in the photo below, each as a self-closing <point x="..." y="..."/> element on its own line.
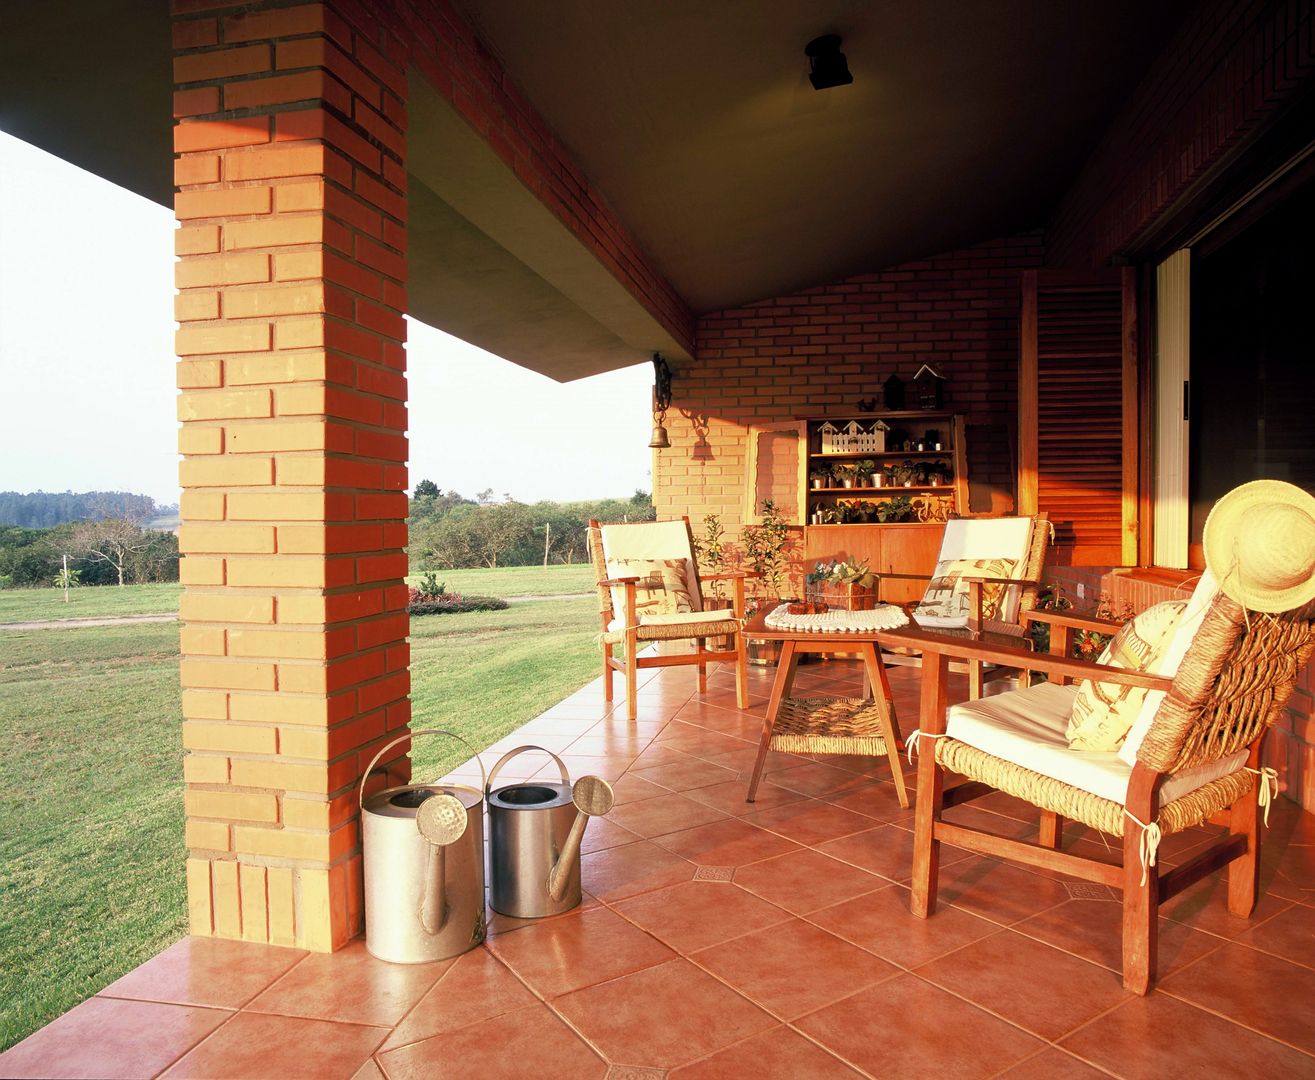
<point x="1260" y="543"/>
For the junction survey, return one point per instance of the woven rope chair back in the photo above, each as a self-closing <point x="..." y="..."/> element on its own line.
<point x="1233" y="683"/>
<point x="600" y="572"/>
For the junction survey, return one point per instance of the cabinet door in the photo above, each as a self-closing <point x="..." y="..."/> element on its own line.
<point x="908" y="549"/>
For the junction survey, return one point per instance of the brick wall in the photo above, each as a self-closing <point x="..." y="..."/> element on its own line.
<point x="820" y="350"/>
<point x="291" y="278"/>
<point x="1228" y="71"/>
<point x="291" y="175"/>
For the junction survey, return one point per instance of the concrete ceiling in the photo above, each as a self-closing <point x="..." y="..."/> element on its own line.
<point x="966" y="120"/>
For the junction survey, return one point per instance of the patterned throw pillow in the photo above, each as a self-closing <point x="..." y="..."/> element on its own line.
<point x="663" y="588"/>
<point x="1104" y="711"/>
<point x="947" y="593"/>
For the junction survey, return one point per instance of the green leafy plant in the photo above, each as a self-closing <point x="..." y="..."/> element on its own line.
<point x="710" y="551"/>
<point x="431" y="586"/>
<point x="764" y="548"/>
<point x="890" y="511"/>
<point x="840" y="572"/>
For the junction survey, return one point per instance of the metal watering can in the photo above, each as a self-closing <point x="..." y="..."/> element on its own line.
<point x="424" y="866"/>
<point x="535" y="829"/>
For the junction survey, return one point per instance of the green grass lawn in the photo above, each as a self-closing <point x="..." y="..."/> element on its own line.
<point x="88" y="602"/>
<point x="517" y="580"/>
<point x="93" y="602"/>
<point x="91" y="795"/>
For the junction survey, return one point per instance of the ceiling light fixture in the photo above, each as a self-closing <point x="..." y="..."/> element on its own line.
<point x="827" y="63"/>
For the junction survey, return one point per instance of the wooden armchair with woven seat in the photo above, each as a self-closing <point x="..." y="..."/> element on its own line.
<point x="1197" y="700"/>
<point x="987" y="576"/>
<point x="650" y="590"/>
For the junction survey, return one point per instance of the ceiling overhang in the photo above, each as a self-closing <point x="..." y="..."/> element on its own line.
<point x="696" y="124"/>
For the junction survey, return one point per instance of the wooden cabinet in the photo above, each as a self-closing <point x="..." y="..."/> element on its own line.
<point x="856" y="465"/>
<point x="906" y="549"/>
<point x="844" y="522"/>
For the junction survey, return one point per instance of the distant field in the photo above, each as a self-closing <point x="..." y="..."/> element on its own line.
<point x="91" y="793"/>
<point x="517" y="580"/>
<point x="89" y="602"/>
<point x="101" y="601"/>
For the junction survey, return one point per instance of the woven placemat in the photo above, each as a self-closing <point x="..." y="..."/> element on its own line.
<point x="836" y="621"/>
<point x="828" y="726"/>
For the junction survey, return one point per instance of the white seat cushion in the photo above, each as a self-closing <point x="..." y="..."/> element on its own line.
<point x="1029" y="728"/>
<point x="679" y="618"/>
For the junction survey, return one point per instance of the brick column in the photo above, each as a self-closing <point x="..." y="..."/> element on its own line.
<point x="292" y="239"/>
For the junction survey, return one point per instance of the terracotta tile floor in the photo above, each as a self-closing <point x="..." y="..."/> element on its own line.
<point x="719" y="939"/>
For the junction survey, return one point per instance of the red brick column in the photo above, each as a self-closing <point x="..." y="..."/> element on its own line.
<point x="292" y="240"/>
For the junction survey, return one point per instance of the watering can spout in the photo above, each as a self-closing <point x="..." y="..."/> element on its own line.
<point x="593" y="797"/>
<point x="441" y="820"/>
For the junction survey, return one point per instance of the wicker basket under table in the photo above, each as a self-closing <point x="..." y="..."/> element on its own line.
<point x="828" y="726"/>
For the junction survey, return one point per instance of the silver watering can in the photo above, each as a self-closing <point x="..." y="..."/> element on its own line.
<point x="424" y="866"/>
<point x="535" y="829"/>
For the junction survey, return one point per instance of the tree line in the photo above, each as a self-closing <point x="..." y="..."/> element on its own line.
<point x="108" y="552"/>
<point x="448" y="531"/>
<point x="46" y="509"/>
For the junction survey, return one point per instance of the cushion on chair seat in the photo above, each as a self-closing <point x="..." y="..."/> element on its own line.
<point x="1029" y="728"/>
<point x="1104" y="711"/>
<point x="680" y="618"/>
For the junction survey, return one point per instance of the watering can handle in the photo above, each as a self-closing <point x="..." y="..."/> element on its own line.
<point x="493" y="772"/>
<point x="411" y="735"/>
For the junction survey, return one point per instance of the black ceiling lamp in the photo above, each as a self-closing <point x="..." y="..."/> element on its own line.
<point x="661" y="403"/>
<point x="827" y="63"/>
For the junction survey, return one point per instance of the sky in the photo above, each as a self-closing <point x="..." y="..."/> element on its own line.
<point x="87" y="366"/>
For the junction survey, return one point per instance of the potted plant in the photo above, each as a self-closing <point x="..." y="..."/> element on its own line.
<point x="846" y="472"/>
<point x="895" y="510"/>
<point x="710" y="551"/>
<point x="841" y="584"/>
<point x="820" y="478"/>
<point x="865" y="470"/>
<point x="765" y="553"/>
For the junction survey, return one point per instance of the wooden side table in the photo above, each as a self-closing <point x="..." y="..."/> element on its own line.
<point x="827" y="725"/>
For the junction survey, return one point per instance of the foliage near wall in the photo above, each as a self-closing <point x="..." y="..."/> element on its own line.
<point x="34" y="557"/>
<point x="449" y="531"/>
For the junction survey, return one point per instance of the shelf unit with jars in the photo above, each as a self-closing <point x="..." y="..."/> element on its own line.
<point x="857" y="464"/>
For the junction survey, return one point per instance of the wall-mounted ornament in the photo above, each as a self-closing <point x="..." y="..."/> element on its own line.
<point x="930" y="387"/>
<point x="893" y="393"/>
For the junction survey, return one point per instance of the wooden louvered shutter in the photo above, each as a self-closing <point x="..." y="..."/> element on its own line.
<point x="1077" y="430"/>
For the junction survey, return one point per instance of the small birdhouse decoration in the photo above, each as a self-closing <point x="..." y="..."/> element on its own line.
<point x="893" y="391"/>
<point x="853" y="434"/>
<point x="930" y="387"/>
<point x="828" y="432"/>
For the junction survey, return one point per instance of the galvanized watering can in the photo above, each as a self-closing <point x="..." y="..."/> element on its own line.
<point x="535" y="829"/>
<point x="424" y="866"/>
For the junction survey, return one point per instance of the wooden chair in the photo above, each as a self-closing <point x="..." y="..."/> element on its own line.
<point x="624" y="623"/>
<point x="1198" y="760"/>
<point x="1021" y="540"/>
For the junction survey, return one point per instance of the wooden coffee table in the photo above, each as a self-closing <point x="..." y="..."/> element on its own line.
<point x="827" y="725"/>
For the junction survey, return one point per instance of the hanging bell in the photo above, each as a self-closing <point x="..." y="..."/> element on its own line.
<point x="658" y="440"/>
